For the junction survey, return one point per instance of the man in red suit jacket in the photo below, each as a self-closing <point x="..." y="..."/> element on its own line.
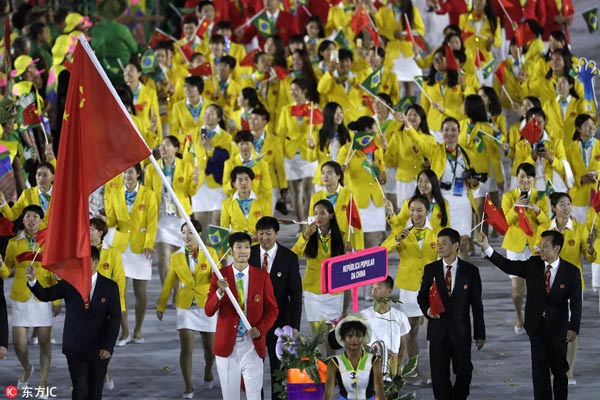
<point x="285" y="25"/>
<point x="558" y="19"/>
<point x="533" y="9"/>
<point x="238" y="351"/>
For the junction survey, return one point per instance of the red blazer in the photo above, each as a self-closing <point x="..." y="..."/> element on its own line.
<point x="314" y="7"/>
<point x="453" y="8"/>
<point x="534" y="9"/>
<point x="285" y="26"/>
<point x="261" y="311"/>
<point x="551" y="12"/>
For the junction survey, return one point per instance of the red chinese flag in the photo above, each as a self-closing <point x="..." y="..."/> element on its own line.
<point x="524" y="35"/>
<point x="280" y="72"/>
<point x="187" y="51"/>
<point x="41" y="237"/>
<point x="299" y="110"/>
<point x="204" y="69"/>
<point x="531" y="131"/>
<point x="6" y="227"/>
<point x="248" y="61"/>
<point x="500" y="73"/>
<point x="203" y="27"/>
<point x="29" y="256"/>
<point x="353" y="215"/>
<point x="524" y="222"/>
<point x="451" y="61"/>
<point x="367" y="102"/>
<point x="31" y="115"/>
<point x="374" y="35"/>
<point x="436" y="305"/>
<point x="596" y="201"/>
<point x="409" y="34"/>
<point x="159" y="36"/>
<point x="360" y="20"/>
<point x="495" y="216"/>
<point x="98" y="141"/>
<point x="317" y="116"/>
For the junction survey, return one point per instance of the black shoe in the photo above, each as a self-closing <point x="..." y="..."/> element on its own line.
<point x="281" y="207"/>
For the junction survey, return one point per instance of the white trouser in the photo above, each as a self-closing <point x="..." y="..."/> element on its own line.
<point x="243" y="361"/>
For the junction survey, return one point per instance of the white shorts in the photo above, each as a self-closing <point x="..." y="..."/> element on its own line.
<point x="298" y="168"/>
<point x="372" y="218"/>
<point x="326" y="307"/>
<point x="169" y="229"/>
<point x="406" y="68"/>
<point x="31" y="313"/>
<point x="208" y="199"/>
<point x="595" y="276"/>
<point x="195" y="318"/>
<point x="409" y="305"/>
<point x="136" y="266"/>
<point x="460" y="211"/>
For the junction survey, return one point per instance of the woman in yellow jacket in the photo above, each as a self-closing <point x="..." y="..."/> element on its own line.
<point x="543" y="86"/>
<point x="578" y="242"/>
<point x="244" y="208"/>
<point x="187" y="115"/>
<point x="547" y="155"/>
<point x="320" y="240"/>
<point x="145" y="102"/>
<point x="441" y="87"/>
<point x="27" y="311"/>
<point x="583" y="154"/>
<point x="364" y="170"/>
<point x="246" y="102"/>
<point x="402" y="153"/>
<point x="392" y="22"/>
<point x="183" y="178"/>
<point x="332" y="135"/>
<point x="190" y="270"/>
<point x="481" y="29"/>
<point x="416" y="244"/>
<point x="564" y="107"/>
<point x="332" y="180"/>
<point x="208" y="148"/>
<point x="514" y="132"/>
<point x="299" y="138"/>
<point x="132" y="219"/>
<point x="438" y="215"/>
<point x="40" y="195"/>
<point x="518" y="245"/>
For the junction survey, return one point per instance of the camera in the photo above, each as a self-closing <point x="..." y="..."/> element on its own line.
<point x="446" y="185"/>
<point x="539" y="147"/>
<point x="472" y="174"/>
<point x="203" y="131"/>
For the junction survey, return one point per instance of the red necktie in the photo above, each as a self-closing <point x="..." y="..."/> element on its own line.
<point x="265" y="262"/>
<point x="547" y="278"/>
<point x="449" y="279"/>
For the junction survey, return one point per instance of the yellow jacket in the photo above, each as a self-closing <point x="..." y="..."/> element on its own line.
<point x="19" y="246"/>
<point x="405" y="155"/>
<point x="496" y="152"/>
<point x="515" y="239"/>
<point x="575" y="245"/>
<point x="182" y="183"/>
<point x="478" y="40"/>
<point x="398" y="222"/>
<point x="228" y="102"/>
<point x="146" y="104"/>
<point x="387" y="25"/>
<point x="361" y="183"/>
<point x="182" y="122"/>
<point x="269" y="96"/>
<point x="452" y="100"/>
<point x="348" y="96"/>
<point x="261" y="185"/>
<point x="111" y="267"/>
<point x="545" y="88"/>
<point x="564" y="126"/>
<point x="320" y="156"/>
<point x="478" y="143"/>
<point x="388" y="85"/>
<point x="341" y="205"/>
<point x="201" y="158"/>
<point x="311" y="281"/>
<point x="413" y="257"/>
<point x="580" y="193"/>
<point x="338" y="18"/>
<point x="232" y="215"/>
<point x="272" y="154"/>
<point x="296" y="133"/>
<point x="591" y="214"/>
<point x="192" y="287"/>
<point x="511" y="84"/>
<point x="554" y="146"/>
<point x="137" y="227"/>
<point x="28" y="197"/>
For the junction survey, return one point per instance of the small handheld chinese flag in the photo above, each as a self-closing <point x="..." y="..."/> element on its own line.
<point x="360" y="20"/>
<point x="495" y="216"/>
<point x="532" y="131"/>
<point x="436" y="305"/>
<point x="451" y="61"/>
<point x="524" y="222"/>
<point x="352" y="214"/>
<point x="595" y="203"/>
<point x="204" y="69"/>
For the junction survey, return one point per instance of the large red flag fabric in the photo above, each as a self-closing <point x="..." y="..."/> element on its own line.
<point x="360" y="20"/>
<point x="436" y="305"/>
<point x="98" y="141"/>
<point x="532" y="131"/>
<point x="352" y="214"/>
<point x="524" y="222"/>
<point x="495" y="216"/>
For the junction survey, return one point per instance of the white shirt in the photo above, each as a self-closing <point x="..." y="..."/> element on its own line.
<point x="569" y="225"/>
<point x="388" y="327"/>
<point x="273" y="16"/>
<point x="271" y="256"/>
<point x="94" y="280"/>
<point x="453" y="270"/>
<point x="245" y="280"/>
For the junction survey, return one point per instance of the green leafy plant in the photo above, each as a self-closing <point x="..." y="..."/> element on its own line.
<point x="393" y="388"/>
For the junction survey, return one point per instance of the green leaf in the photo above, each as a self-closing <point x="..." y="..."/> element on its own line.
<point x="411" y="366"/>
<point x="408" y="396"/>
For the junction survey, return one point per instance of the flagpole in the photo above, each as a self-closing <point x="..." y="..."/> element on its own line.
<point x="377" y="98"/>
<point x="349" y="156"/>
<point x="248" y="22"/>
<point x="507" y="95"/>
<point x="423" y="91"/>
<point x="176" y="10"/>
<point x="491" y="136"/>
<point x="350" y="219"/>
<point x="512" y="23"/>
<point x="310" y="131"/>
<point x="483" y="213"/>
<point x="376" y="179"/>
<point x="165" y="181"/>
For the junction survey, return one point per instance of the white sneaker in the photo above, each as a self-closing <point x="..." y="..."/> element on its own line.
<point x="21" y="385"/>
<point x="519" y="330"/>
<point x="109" y="384"/>
<point x="189" y="395"/>
<point x="138" y="340"/>
<point x="121" y="343"/>
<point x="572" y="382"/>
<point x="34" y="340"/>
<point x="209" y="384"/>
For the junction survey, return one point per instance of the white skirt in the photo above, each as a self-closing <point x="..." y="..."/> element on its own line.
<point x="207" y="199"/>
<point x="195" y="318"/>
<point x="406" y="68"/>
<point x="482" y="189"/>
<point x="513" y="255"/>
<point x="326" y="307"/>
<point x="409" y="305"/>
<point x="31" y="313"/>
<point x="169" y="229"/>
<point x="390" y="185"/>
<point x="298" y="168"/>
<point x="595" y="276"/>
<point x="136" y="266"/>
<point x="461" y="214"/>
<point x="404" y="190"/>
<point x="372" y="218"/>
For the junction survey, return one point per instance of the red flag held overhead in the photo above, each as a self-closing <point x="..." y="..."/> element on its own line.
<point x="531" y="131"/>
<point x="96" y="128"/>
